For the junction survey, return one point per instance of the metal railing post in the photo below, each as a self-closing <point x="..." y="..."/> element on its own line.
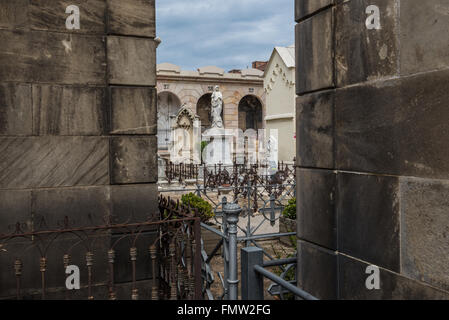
<point x="231" y="212"/>
<point x="225" y="249"/>
<point x="252" y="281"/>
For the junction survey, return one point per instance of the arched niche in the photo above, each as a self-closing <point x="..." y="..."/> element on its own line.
<point x="203" y="110"/>
<point x="250" y="113"/>
<point x="168" y="106"/>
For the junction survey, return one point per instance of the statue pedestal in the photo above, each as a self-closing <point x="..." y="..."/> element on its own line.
<point x="220" y="147"/>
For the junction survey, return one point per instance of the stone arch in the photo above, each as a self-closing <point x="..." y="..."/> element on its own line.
<point x="168" y="106"/>
<point x="250" y="111"/>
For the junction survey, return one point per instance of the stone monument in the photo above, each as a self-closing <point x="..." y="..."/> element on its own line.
<point x="219" y="149"/>
<point x="186" y="134"/>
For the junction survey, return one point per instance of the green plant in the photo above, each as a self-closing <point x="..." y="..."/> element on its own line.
<point x="290" y="210"/>
<point x="204" y="145"/>
<point x="290" y="275"/>
<point x="204" y="207"/>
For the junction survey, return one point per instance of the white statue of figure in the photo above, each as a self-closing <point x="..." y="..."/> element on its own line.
<point x="217" y="108"/>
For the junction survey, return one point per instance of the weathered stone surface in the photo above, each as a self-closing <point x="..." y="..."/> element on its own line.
<point x="395" y="127"/>
<point x="315" y="62"/>
<point x="85" y="207"/>
<point x="368" y="218"/>
<point x="134" y="203"/>
<point x="352" y="284"/>
<point x="317" y="220"/>
<point x="15" y="110"/>
<point x="317" y="271"/>
<point x="315" y="130"/>
<point x="424" y="35"/>
<point x="51" y="15"/>
<point x="15" y="206"/>
<point x="62" y="110"/>
<point x="13" y="14"/>
<point x="365" y="127"/>
<point x="135" y="17"/>
<point x="304" y="8"/>
<point x="133" y="160"/>
<point x="362" y="54"/>
<point x="52" y="58"/>
<point x="425" y="231"/>
<point x="133" y="110"/>
<point x="131" y="61"/>
<point x="53" y="162"/>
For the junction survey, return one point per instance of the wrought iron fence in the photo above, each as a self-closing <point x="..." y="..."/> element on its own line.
<point x="159" y="258"/>
<point x="262" y="195"/>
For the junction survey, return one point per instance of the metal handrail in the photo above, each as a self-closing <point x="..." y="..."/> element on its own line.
<point x="283" y="283"/>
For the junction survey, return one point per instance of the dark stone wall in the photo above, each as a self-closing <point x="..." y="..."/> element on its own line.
<point x="372" y="121"/>
<point x="77" y="125"/>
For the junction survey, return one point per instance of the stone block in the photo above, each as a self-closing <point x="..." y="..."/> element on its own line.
<point x="368" y="218"/>
<point x="52" y="58"/>
<point x="304" y="8"/>
<point x="365" y="127"/>
<point x="317" y="221"/>
<point x="63" y="110"/>
<point x="133" y="160"/>
<point x="51" y="15"/>
<point x="134" y="203"/>
<point x="15" y="110"/>
<point x="131" y="61"/>
<point x="317" y="271"/>
<point x="13" y="14"/>
<point x="362" y="54"/>
<point x="424" y="35"/>
<point x="352" y="284"/>
<point x="133" y="111"/>
<point x="15" y="206"/>
<point x="85" y="207"/>
<point x="315" y="53"/>
<point x="395" y="127"/>
<point x="315" y="130"/>
<point x="135" y="17"/>
<point x="39" y="162"/>
<point x="425" y="231"/>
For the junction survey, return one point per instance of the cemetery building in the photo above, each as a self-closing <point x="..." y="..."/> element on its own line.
<point x="243" y="98"/>
<point x="280" y="96"/>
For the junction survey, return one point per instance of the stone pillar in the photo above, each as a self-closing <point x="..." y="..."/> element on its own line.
<point x="373" y="176"/>
<point x="77" y="115"/>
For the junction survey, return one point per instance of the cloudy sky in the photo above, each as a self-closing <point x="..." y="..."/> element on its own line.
<point x="226" y="33"/>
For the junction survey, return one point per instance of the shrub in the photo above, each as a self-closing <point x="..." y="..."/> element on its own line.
<point x="290" y="210"/>
<point x="204" y="207"/>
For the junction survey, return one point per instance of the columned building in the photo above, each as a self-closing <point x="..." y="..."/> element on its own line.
<point x="243" y="97"/>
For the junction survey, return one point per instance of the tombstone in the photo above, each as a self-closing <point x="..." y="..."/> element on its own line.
<point x="220" y="141"/>
<point x="186" y="133"/>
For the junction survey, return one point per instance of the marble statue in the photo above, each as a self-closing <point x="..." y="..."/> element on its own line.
<point x="217" y="108"/>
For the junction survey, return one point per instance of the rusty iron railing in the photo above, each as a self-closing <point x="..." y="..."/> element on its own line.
<point x="159" y="258"/>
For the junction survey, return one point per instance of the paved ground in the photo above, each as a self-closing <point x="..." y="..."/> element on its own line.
<point x="274" y="248"/>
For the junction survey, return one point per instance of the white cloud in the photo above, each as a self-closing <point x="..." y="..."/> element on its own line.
<point x="226" y="33"/>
